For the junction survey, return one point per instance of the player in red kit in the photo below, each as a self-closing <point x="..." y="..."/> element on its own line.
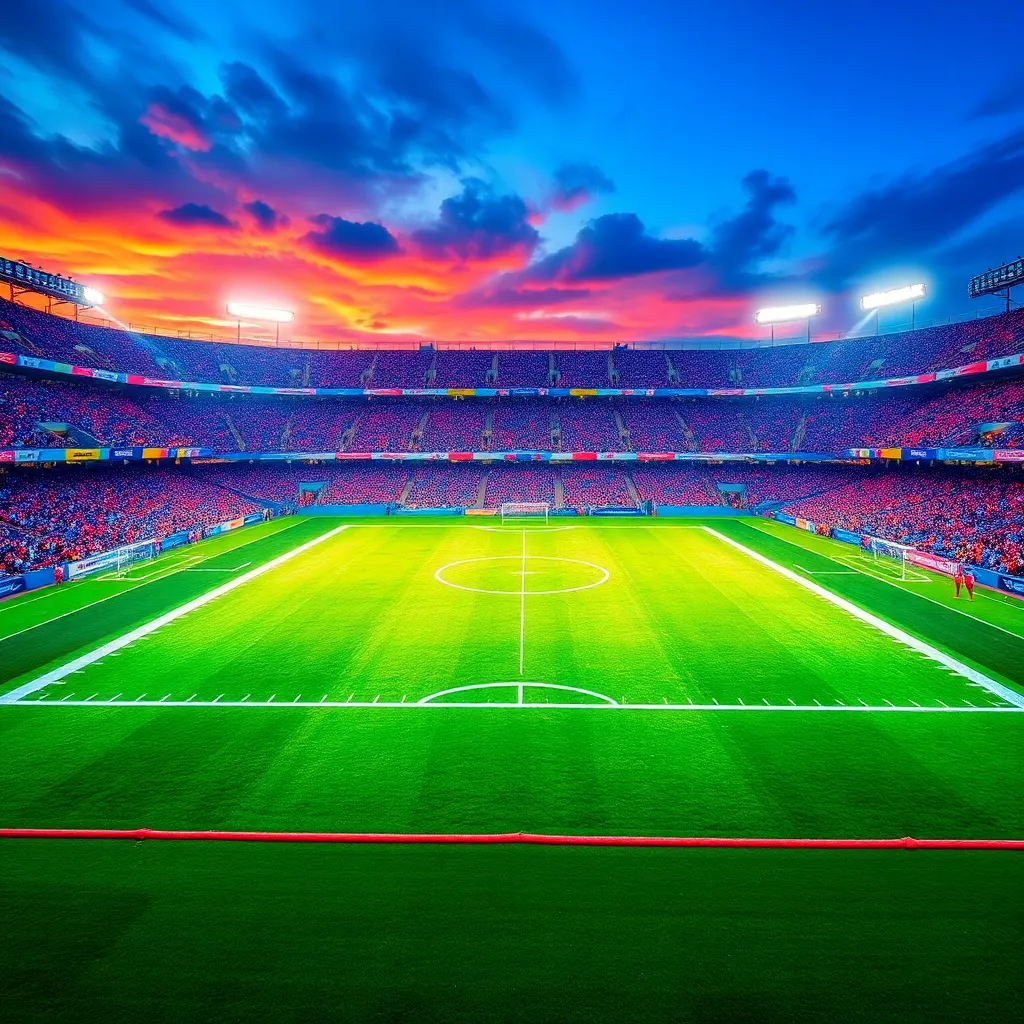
<point x="958" y="578"/>
<point x="58" y="575"/>
<point x="969" y="583"/>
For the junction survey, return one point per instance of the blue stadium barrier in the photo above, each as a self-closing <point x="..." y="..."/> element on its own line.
<point x="11" y="585"/>
<point x="36" y="578"/>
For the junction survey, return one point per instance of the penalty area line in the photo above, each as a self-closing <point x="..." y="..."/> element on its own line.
<point x="57" y="674"/>
<point x="901" y="636"/>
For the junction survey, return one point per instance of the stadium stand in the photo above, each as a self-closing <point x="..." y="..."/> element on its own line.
<point x="48" y="516"/>
<point x="31" y="332"/>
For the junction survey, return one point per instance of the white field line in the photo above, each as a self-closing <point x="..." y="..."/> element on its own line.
<point x="445" y="705"/>
<point x="17" y="601"/>
<point x="55" y="675"/>
<point x="165" y="570"/>
<point x="177" y="567"/>
<point x="892" y="581"/>
<point x="522" y="606"/>
<point x="933" y="653"/>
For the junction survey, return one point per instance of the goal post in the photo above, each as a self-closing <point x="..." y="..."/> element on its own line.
<point x="881" y="548"/>
<point x="128" y="554"/>
<point x="524" y="510"/>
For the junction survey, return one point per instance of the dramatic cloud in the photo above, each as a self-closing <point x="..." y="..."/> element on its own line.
<point x="265" y="216"/>
<point x="615" y="246"/>
<point x="913" y="214"/>
<point x="350" y="240"/>
<point x="192" y="215"/>
<point x="576" y="184"/>
<point x="754" y="234"/>
<point x="477" y="224"/>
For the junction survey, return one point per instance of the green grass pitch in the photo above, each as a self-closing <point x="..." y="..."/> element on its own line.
<point x="649" y="677"/>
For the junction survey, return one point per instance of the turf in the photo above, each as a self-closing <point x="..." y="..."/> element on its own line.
<point x="120" y="930"/>
<point x="128" y="932"/>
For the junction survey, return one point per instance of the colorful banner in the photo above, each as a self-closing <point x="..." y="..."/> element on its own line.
<point x="49" y="366"/>
<point x="926" y="560"/>
<point x="81" y="454"/>
<point x="1008" y="455"/>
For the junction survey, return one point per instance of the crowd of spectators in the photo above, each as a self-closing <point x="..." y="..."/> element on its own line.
<point x="64" y="515"/>
<point x="894" y="355"/>
<point x="38" y="413"/>
<point x="56" y="515"/>
<point x="974" y="516"/>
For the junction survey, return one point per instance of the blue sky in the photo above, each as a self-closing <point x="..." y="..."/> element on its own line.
<point x="554" y="170"/>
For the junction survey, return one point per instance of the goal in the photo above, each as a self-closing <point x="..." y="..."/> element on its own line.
<point x="889" y="549"/>
<point x="524" y="510"/>
<point x="126" y="556"/>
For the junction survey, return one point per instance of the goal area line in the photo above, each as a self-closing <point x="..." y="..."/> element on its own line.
<point x="512" y="839"/>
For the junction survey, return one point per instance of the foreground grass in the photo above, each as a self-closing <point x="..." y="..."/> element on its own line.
<point x="494" y="770"/>
<point x="240" y="932"/>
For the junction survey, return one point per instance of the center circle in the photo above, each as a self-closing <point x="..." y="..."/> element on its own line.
<point x="504" y="574"/>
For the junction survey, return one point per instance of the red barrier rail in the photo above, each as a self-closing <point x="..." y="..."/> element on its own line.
<point x="528" y="838"/>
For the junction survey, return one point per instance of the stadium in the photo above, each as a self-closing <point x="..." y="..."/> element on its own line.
<point x="350" y="672"/>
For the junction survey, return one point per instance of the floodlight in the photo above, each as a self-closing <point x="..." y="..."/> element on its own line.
<point x="786" y="314"/>
<point x="911" y="293"/>
<point x="248" y="311"/>
<point x="93" y="296"/>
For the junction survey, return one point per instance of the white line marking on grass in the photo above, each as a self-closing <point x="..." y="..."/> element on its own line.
<point x="933" y="653"/>
<point x="175" y="567"/>
<point x="235" y="569"/>
<point x="168" y="617"/>
<point x="828" y="572"/>
<point x="488" y="705"/>
<point x="895" y="582"/>
<point x="522" y="606"/>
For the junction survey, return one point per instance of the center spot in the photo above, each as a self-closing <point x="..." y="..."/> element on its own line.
<point x="542" y="575"/>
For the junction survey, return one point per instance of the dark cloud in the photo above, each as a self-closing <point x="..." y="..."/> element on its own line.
<point x="615" y="246"/>
<point x="266" y="217"/>
<point x="1009" y="99"/>
<point x="351" y="240"/>
<point x="754" y="234"/>
<point x="914" y="214"/>
<point x="166" y="18"/>
<point x="478" y="224"/>
<point x="192" y="215"/>
<point x="578" y="183"/>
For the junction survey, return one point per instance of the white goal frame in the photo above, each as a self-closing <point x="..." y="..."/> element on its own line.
<point x="524" y="510"/>
<point x="129" y="554"/>
<point x="881" y="548"/>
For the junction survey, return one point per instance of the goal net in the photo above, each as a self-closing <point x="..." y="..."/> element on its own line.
<point x="889" y="551"/>
<point x="524" y="510"/>
<point x="126" y="556"/>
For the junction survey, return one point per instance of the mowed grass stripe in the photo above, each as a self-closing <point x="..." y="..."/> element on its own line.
<point x="48" y="643"/>
<point x="681" y="619"/>
<point x="448" y="770"/>
<point x="162" y="932"/>
<point x="990" y="649"/>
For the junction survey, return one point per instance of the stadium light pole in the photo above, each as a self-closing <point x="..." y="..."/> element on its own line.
<point x="265" y="314"/>
<point x="908" y="293"/>
<point x="788" y="314"/>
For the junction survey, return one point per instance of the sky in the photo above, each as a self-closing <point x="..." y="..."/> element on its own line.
<point x="478" y="171"/>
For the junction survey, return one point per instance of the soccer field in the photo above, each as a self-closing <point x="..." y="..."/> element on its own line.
<point x="593" y="678"/>
<point x="614" y="615"/>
